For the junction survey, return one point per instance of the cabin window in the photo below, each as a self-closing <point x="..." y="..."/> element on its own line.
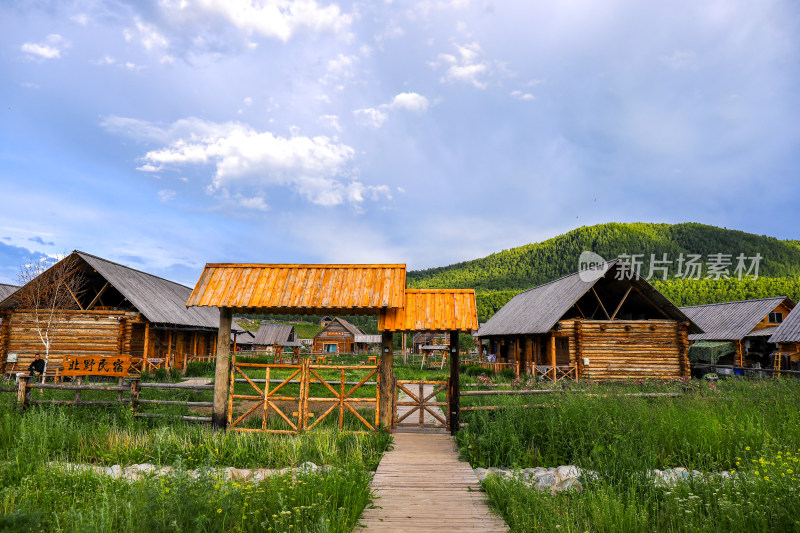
<point x="330" y="348"/>
<point x="775" y="317"/>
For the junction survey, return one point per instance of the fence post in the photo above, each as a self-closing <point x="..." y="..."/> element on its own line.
<point x="135" y="389"/>
<point x="78" y="392"/>
<point x="22" y="390"/>
<point x="120" y="383"/>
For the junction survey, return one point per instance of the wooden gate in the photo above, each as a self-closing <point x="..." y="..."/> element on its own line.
<point x="287" y="397"/>
<point x="421" y="402"/>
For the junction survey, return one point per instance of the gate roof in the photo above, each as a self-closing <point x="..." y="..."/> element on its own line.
<point x="432" y="310"/>
<point x="301" y="289"/>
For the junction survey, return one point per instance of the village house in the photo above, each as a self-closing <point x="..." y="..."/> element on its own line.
<point x="119" y="311"/>
<point x="737" y="333"/>
<point x="338" y="336"/>
<point x="607" y="323"/>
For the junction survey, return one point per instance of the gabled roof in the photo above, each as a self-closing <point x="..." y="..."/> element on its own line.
<point x="241" y="335"/>
<point x="7" y="290"/>
<point x="278" y="288"/>
<point x="789" y="330"/>
<point x="352" y="329"/>
<point x="269" y="334"/>
<point x="537" y="310"/>
<point x="160" y="301"/>
<point x="731" y="321"/>
<point x="433" y="310"/>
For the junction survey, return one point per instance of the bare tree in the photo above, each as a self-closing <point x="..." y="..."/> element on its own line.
<point x="49" y="290"/>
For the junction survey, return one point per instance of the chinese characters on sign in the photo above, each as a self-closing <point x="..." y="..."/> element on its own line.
<point x="95" y="365"/>
<point x="690" y="266"/>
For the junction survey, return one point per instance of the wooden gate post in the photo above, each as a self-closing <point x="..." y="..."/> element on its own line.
<point x="387" y="391"/>
<point x="219" y="417"/>
<point x="455" y="383"/>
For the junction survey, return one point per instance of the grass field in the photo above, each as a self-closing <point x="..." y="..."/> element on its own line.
<point x="749" y="427"/>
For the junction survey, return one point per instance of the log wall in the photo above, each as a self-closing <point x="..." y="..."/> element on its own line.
<point x="82" y="333"/>
<point x="634" y="349"/>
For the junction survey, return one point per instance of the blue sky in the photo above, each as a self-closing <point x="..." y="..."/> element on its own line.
<point x="168" y="134"/>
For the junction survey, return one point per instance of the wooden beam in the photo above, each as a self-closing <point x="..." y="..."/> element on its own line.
<point x="97" y="297"/>
<point x="603" y="307"/>
<point x="455" y="383"/>
<point x="74" y="297"/>
<point x="222" y="371"/>
<point x="579" y="310"/>
<point x="622" y="301"/>
<point x="651" y="302"/>
<point x="146" y="354"/>
<point x="386" y="391"/>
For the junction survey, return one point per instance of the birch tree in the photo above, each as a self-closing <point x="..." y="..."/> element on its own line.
<point x="48" y="290"/>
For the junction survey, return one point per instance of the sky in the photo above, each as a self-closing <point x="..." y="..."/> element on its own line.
<point x="168" y="134"/>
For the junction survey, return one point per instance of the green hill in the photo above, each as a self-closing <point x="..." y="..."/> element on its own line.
<point x="497" y="277"/>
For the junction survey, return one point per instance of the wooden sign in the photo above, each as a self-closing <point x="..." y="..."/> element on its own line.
<point x="96" y="365"/>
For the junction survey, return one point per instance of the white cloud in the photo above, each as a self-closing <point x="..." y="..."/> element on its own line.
<point x="338" y="70"/>
<point x="80" y="19"/>
<point x="166" y="195"/>
<point x="371" y="116"/>
<point x="519" y="95"/>
<point x="274" y="19"/>
<point x="376" y="116"/>
<point x="330" y="121"/>
<point x="50" y="48"/>
<point x="256" y="203"/>
<point x="410" y="102"/>
<point x="149" y="168"/>
<point x="247" y="159"/>
<point x="105" y="60"/>
<point x="466" y="67"/>
<point x="248" y="101"/>
<point x="145" y="34"/>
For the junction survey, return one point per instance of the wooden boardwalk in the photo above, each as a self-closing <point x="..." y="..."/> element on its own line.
<point x="422" y="486"/>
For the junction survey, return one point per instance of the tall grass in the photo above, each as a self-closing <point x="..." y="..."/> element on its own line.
<point x="749" y="427"/>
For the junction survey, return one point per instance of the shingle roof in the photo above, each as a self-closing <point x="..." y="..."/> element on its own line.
<point x="7" y="290"/>
<point x="789" y="330"/>
<point x="279" y="288"/>
<point x="347" y="325"/>
<point x="731" y="321"/>
<point x="537" y="310"/>
<point x="161" y="301"/>
<point x="269" y="334"/>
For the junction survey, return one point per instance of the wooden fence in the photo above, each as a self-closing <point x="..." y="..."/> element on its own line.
<point x="132" y="386"/>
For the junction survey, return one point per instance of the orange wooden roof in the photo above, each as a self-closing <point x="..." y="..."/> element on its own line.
<point x="278" y="288"/>
<point x="432" y="310"/>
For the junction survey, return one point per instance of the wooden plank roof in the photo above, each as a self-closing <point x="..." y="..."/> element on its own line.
<point x="537" y="310"/>
<point x="304" y="289"/>
<point x="7" y="290"/>
<point x="789" y="330"/>
<point x="160" y="301"/>
<point x="432" y="310"/>
<point x="269" y="334"/>
<point x="731" y="321"/>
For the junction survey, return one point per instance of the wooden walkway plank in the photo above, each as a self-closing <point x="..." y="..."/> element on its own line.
<point x="421" y="485"/>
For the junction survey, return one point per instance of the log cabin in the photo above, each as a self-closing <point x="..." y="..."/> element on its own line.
<point x="746" y="324"/>
<point x="337" y="337"/>
<point x="787" y="339"/>
<point x="119" y="310"/>
<point x="606" y="323"/>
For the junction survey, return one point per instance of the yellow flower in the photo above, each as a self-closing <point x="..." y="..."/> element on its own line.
<point x="219" y="511"/>
<point x="747" y="448"/>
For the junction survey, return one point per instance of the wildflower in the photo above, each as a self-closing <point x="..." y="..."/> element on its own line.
<point x="219" y="511"/>
<point x="747" y="448"/>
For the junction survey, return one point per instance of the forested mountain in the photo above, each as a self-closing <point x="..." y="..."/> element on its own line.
<point x="497" y="277"/>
